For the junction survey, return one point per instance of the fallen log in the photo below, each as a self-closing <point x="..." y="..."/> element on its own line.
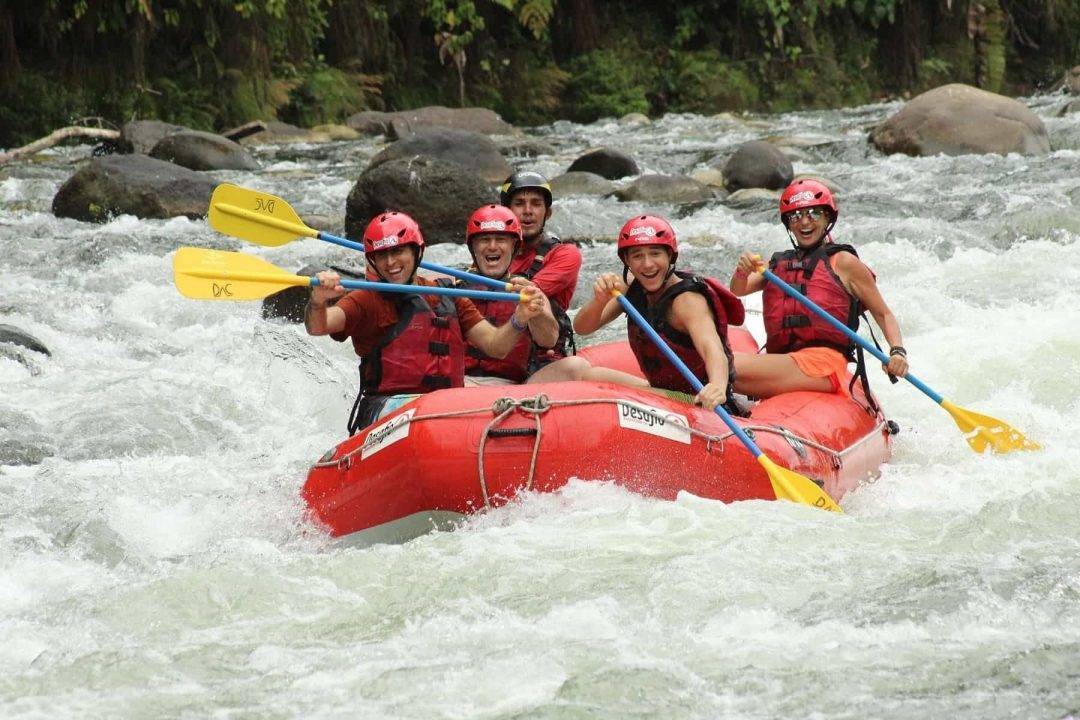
<point x="57" y="136"/>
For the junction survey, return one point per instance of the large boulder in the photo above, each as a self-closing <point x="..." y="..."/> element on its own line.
<point x="439" y="195"/>
<point x="471" y="151"/>
<point x="473" y="119"/>
<point x="581" y="183"/>
<point x="370" y="122"/>
<point x="140" y="136"/>
<point x="961" y="120"/>
<point x="197" y="150"/>
<point x="675" y="189"/>
<point x="607" y="163"/>
<point x="134" y="185"/>
<point x="757" y="164"/>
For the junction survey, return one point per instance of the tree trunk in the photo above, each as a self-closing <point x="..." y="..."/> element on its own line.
<point x="9" y="50"/>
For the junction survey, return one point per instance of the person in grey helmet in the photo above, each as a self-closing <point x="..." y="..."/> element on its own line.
<point x="552" y="265"/>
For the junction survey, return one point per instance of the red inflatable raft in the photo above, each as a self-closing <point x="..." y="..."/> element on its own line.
<point x="454" y="452"/>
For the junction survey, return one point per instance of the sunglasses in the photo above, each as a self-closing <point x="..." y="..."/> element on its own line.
<point x="813" y="213"/>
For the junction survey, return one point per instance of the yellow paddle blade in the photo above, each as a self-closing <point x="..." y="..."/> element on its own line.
<point x="260" y="217"/>
<point x="983" y="431"/>
<point x="790" y="485"/>
<point x="219" y="275"/>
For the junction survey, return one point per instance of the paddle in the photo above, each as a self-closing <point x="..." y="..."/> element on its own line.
<point x="268" y="220"/>
<point x="786" y="484"/>
<point x="981" y="431"/>
<point x="221" y="275"/>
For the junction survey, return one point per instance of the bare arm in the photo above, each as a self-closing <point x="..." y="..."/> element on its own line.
<point x="860" y="282"/>
<point x="543" y="327"/>
<point x="319" y="317"/>
<point x="690" y="312"/>
<point x="602" y="307"/>
<point x="747" y="279"/>
<point x="497" y="342"/>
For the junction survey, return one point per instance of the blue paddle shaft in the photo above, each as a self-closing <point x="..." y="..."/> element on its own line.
<point x="856" y="337"/>
<point x="453" y="272"/>
<point x="690" y="377"/>
<point x="426" y="290"/>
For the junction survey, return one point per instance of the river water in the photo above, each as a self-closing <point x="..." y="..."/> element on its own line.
<point x="156" y="561"/>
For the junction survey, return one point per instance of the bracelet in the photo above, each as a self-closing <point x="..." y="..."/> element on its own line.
<point x="516" y="325"/>
<point x="898" y="350"/>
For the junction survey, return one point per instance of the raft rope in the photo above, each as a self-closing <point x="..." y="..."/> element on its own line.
<point x="541" y="403"/>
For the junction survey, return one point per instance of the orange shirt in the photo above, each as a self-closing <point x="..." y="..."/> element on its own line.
<point x="369" y="315"/>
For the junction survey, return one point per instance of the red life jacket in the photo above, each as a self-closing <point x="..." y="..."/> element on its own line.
<point x="659" y="371"/>
<point x="513" y="367"/>
<point x="789" y="326"/>
<point x="424" y="351"/>
<point x="565" y="345"/>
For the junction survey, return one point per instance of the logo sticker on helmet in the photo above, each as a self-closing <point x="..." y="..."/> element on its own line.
<point x="804" y="196"/>
<point x="493" y="225"/>
<point x="643" y="230"/>
<point x="388" y="241"/>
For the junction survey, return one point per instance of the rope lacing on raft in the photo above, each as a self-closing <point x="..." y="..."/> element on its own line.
<point x="538" y="405"/>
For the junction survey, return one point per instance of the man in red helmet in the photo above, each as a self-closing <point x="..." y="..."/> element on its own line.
<point x="690" y="313"/>
<point x="803" y="352"/>
<point x="550" y="263"/>
<point x="493" y="235"/>
<point x="412" y="344"/>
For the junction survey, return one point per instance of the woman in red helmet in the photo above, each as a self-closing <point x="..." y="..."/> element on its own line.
<point x="803" y="352"/>
<point x="412" y="343"/>
<point x="690" y="313"/>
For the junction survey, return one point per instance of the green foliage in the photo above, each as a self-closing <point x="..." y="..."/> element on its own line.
<point x="705" y="82"/>
<point x="607" y="83"/>
<point x="327" y="95"/>
<point x="54" y="105"/>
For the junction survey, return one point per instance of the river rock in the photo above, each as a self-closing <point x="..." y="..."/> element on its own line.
<point x="607" y="163"/>
<point x="525" y="147"/>
<point x="581" y="183"/>
<point x="140" y="136"/>
<point x="203" y="151"/>
<point x="282" y="133"/>
<point x="1069" y="82"/>
<point x="134" y="185"/>
<point x="473" y="119"/>
<point x="370" y="122"/>
<point x="634" y="119"/>
<point x="471" y="151"/>
<point x="757" y="164"/>
<point x="1071" y="107"/>
<point x="335" y="132"/>
<point x="676" y="189"/>
<point x="709" y="176"/>
<point x="753" y="198"/>
<point x="961" y="120"/>
<point x="438" y="194"/>
<point x="14" y="336"/>
<point x="834" y="187"/>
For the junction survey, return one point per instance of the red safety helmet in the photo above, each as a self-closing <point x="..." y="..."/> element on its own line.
<point x="392" y="229"/>
<point x="647" y="230"/>
<point x="807" y="193"/>
<point x="493" y="219"/>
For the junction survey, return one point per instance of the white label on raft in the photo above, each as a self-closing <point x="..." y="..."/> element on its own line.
<point x="654" y="421"/>
<point x="385" y="435"/>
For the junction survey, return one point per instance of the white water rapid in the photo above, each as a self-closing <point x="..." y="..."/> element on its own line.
<point x="155" y="561"/>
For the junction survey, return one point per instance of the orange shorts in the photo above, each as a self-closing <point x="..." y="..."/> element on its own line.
<point x="821" y="362"/>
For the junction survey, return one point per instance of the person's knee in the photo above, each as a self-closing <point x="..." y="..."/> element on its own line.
<point x="568" y="368"/>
